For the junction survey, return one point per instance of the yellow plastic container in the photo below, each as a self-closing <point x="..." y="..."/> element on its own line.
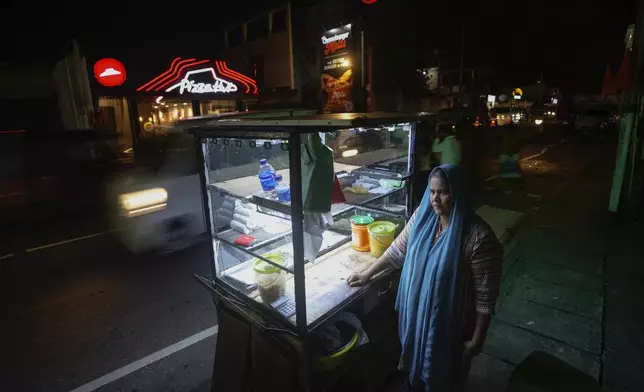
<point x="381" y="235"/>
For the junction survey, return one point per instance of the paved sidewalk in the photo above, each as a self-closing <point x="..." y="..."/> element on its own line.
<point x="624" y="321"/>
<point x="553" y="287"/>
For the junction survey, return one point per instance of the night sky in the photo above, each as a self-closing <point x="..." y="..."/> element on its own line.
<point x="569" y="42"/>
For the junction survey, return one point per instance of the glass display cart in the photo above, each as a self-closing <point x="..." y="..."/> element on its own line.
<point x="293" y="207"/>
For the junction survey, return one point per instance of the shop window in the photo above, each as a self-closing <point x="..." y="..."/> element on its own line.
<point x="235" y="36"/>
<point x="156" y="117"/>
<point x="279" y="21"/>
<point x="217" y="107"/>
<point x="257" y="29"/>
<point x="114" y="115"/>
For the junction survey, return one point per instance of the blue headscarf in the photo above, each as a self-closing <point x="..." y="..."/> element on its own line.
<point x="429" y="325"/>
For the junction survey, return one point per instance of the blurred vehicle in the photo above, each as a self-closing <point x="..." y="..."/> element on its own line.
<point x="595" y="120"/>
<point x="158" y="206"/>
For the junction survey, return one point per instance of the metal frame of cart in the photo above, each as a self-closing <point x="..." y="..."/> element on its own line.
<point x="310" y="312"/>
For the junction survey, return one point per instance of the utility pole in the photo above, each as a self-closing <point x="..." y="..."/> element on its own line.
<point x="460" y="73"/>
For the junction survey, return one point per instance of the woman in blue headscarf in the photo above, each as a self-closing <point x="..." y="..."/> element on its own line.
<point x="451" y="268"/>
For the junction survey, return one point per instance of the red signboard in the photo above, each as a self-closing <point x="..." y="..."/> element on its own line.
<point x="337" y="74"/>
<point x="109" y="72"/>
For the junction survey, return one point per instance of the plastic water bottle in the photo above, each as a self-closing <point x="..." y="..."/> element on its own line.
<point x="266" y="176"/>
<point x="282" y="189"/>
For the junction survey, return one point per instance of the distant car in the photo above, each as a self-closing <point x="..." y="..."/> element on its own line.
<point x="463" y="116"/>
<point x="540" y="117"/>
<point x="550" y="114"/>
<point x="158" y="206"/>
<point x="595" y="120"/>
<point x="501" y="116"/>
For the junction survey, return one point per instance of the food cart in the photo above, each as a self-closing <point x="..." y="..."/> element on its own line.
<point x="287" y="319"/>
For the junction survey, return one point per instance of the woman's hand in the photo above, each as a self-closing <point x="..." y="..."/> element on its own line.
<point x="471" y="349"/>
<point x="356" y="280"/>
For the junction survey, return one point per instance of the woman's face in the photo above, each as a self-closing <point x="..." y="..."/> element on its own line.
<point x="440" y="196"/>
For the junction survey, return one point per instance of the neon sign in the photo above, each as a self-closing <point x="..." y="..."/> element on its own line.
<point x="179" y="77"/>
<point x="188" y="85"/>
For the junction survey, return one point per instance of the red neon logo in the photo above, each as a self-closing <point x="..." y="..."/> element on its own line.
<point x="109" y="72"/>
<point x="334" y="46"/>
<point x="179" y="67"/>
<point x="369" y="1"/>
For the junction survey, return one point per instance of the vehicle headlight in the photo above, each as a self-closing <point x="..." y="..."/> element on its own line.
<point x="349" y="153"/>
<point x="538" y="121"/>
<point x="144" y="202"/>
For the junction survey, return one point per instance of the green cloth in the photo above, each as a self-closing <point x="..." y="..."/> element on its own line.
<point x="317" y="175"/>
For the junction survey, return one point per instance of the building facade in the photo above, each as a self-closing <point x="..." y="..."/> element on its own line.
<point x="264" y="44"/>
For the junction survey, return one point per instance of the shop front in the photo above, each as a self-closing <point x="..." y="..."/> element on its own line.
<point x="139" y="100"/>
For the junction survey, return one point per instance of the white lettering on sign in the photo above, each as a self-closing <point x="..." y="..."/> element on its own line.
<point x="337" y="63"/>
<point x="337" y="37"/>
<point x="186" y="85"/>
<point x="191" y="86"/>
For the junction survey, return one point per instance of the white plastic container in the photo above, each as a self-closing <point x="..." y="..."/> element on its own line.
<point x="271" y="281"/>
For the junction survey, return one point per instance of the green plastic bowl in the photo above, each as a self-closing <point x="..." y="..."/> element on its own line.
<point x="337" y="358"/>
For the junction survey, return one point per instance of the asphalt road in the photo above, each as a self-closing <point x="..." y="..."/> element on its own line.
<point x="82" y="309"/>
<point x="82" y="312"/>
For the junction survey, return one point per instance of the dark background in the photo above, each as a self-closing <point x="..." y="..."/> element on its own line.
<point x="568" y="42"/>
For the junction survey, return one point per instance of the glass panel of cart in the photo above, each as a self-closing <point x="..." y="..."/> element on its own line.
<point x="372" y="165"/>
<point x="249" y="185"/>
<point x="252" y="242"/>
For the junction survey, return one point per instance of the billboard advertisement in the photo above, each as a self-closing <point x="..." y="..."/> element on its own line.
<point x="337" y="73"/>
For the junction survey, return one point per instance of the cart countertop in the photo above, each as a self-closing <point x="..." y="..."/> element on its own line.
<point x="325" y="280"/>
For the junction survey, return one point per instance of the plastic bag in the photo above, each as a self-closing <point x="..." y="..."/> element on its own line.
<point x="317" y="175"/>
